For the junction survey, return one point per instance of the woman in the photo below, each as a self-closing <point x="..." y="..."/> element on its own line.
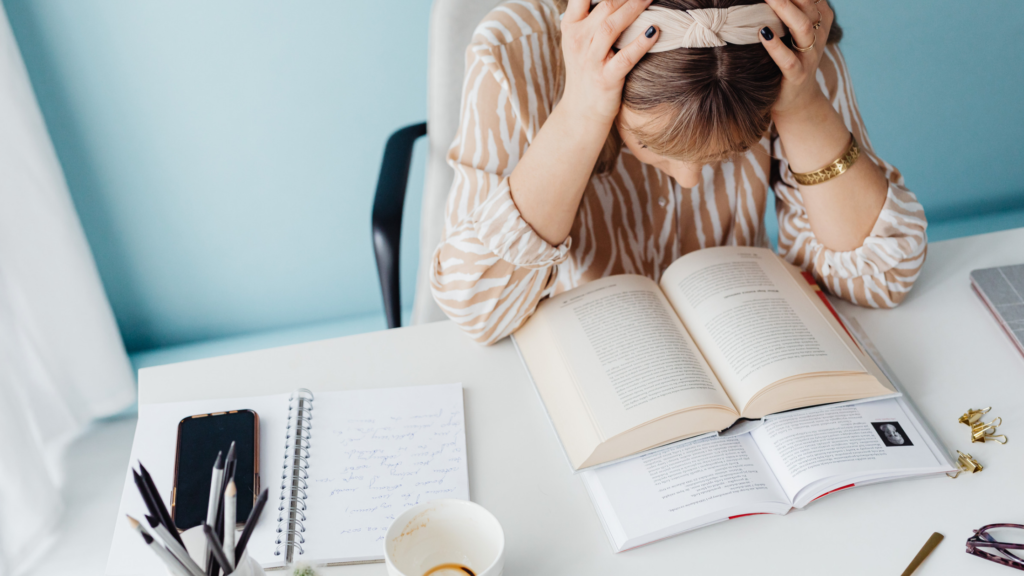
<point x="580" y="155"/>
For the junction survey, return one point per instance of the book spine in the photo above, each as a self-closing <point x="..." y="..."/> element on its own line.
<point x="291" y="508"/>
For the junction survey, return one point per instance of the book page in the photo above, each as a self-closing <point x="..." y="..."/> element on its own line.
<point x="373" y="454"/>
<point x="629" y="353"/>
<point x="751" y="320"/>
<point x="679" y="487"/>
<point x="843" y="444"/>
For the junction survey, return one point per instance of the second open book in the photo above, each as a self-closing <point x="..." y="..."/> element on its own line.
<point x="624" y="364"/>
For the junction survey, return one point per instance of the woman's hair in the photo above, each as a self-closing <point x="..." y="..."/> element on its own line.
<point x="708" y="103"/>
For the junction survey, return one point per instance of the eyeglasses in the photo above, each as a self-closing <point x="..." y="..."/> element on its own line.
<point x="995" y="541"/>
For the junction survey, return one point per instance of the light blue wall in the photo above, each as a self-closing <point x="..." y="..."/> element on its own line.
<point x="223" y="154"/>
<point x="941" y="89"/>
<point x="940" y="85"/>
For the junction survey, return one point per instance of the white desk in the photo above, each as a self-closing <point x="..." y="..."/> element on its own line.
<point x="942" y="344"/>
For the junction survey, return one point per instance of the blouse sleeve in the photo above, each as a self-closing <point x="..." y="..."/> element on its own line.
<point x="491" y="268"/>
<point x="881" y="271"/>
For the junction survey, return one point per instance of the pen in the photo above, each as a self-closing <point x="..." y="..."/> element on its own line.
<point x="250" y="524"/>
<point x="215" y="547"/>
<point x="214" y="504"/>
<point x="161" y="510"/>
<point x="169" y="560"/>
<point x="176" y="550"/>
<point x="215" y="489"/>
<point x="229" y="523"/>
<point x="144" y="491"/>
<point x="929" y="545"/>
<point x="229" y="474"/>
<point x="229" y="466"/>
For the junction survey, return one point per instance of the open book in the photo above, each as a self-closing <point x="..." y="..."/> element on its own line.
<point x="788" y="462"/>
<point x="624" y="364"/>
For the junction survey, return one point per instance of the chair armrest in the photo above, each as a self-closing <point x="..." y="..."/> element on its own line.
<point x="387" y="215"/>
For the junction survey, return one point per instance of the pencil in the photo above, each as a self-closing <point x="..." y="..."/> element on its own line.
<point x="229" y="523"/>
<point x="215" y="489"/>
<point x="166" y="557"/>
<point x="250" y="524"/>
<point x="215" y="547"/>
<point x="176" y="550"/>
<point x="213" y="508"/>
<point x="162" y="513"/>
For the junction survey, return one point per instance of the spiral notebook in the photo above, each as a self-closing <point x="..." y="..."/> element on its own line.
<point x="340" y="467"/>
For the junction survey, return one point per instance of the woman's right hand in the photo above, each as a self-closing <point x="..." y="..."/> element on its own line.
<point x="548" y="182"/>
<point x="594" y="74"/>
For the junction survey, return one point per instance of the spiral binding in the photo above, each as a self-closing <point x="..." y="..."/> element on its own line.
<point x="291" y="510"/>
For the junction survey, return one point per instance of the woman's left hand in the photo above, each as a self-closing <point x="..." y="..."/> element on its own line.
<point x="809" y="22"/>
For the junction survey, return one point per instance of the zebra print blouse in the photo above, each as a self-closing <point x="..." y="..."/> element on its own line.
<point x="491" y="269"/>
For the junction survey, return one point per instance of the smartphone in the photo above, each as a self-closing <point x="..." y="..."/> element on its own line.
<point x="200" y="437"/>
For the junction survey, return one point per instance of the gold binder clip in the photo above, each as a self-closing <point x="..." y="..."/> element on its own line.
<point x="971" y="416"/>
<point x="982" y="432"/>
<point x="966" y="463"/>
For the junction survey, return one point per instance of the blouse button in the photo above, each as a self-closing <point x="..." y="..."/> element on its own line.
<point x="662" y="202"/>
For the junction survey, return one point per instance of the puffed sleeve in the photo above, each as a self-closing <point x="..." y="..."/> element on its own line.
<point x="882" y="270"/>
<point x="491" y="268"/>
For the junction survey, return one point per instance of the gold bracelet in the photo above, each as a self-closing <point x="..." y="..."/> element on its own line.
<point x="842" y="164"/>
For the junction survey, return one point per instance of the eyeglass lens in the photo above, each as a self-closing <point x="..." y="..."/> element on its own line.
<point x="1003" y="535"/>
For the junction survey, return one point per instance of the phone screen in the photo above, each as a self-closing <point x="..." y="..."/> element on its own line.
<point x="200" y="437"/>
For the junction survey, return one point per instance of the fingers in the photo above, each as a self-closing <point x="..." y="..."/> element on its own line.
<point x="809" y="8"/>
<point x="785" y="58"/>
<point x="576" y="10"/>
<point x="625" y="59"/>
<point x="827" y="16"/>
<point x="819" y="12"/>
<point x="799" y="24"/>
<point x="604" y="9"/>
<point x="615" y="23"/>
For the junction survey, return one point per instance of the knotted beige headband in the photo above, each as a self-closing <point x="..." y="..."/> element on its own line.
<point x="704" y="27"/>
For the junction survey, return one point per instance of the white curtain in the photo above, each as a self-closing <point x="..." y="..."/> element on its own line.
<point x="62" y="362"/>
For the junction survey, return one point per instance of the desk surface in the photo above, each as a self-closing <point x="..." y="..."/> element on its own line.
<point x="944" y="347"/>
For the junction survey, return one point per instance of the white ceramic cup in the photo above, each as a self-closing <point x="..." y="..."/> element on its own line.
<point x="433" y="534"/>
<point x="195" y="543"/>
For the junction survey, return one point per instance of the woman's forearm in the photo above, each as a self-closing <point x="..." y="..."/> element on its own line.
<point x="843" y="210"/>
<point x="548" y="183"/>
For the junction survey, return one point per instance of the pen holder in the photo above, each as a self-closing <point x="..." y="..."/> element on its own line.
<point x="195" y="543"/>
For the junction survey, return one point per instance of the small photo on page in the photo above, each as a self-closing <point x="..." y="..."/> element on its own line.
<point x="892" y="434"/>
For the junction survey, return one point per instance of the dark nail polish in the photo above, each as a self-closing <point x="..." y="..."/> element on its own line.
<point x="650" y="32"/>
<point x="767" y="33"/>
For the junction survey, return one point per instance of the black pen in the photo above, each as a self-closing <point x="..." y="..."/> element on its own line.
<point x="250" y="524"/>
<point x="213" y="543"/>
<point x="162" y="514"/>
<point x="147" y="498"/>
